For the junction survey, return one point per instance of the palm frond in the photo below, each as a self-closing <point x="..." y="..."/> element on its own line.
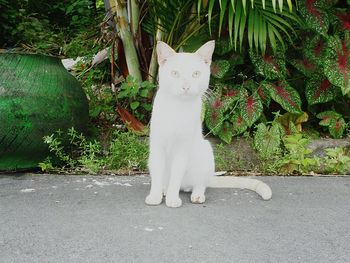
<point x="260" y="22"/>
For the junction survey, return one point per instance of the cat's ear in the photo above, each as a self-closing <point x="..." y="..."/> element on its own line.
<point x="206" y="51"/>
<point x="164" y="52"/>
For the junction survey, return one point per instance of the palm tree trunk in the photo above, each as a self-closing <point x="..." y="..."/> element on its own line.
<point x="119" y="8"/>
<point x="135" y="16"/>
<point x="153" y="66"/>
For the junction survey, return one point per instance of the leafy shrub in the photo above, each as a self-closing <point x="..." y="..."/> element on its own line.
<point x="80" y="154"/>
<point x="307" y="78"/>
<point x="73" y="152"/>
<point x="137" y="96"/>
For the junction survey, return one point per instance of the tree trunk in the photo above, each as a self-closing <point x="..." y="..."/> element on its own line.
<point x="123" y="28"/>
<point x="153" y="66"/>
<point x="134" y="16"/>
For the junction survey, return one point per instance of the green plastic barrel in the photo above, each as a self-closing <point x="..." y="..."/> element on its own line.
<point x="37" y="97"/>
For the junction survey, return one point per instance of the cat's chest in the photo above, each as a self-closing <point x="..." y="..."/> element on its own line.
<point x="175" y="120"/>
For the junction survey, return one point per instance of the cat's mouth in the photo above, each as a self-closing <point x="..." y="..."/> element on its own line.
<point x="187" y="94"/>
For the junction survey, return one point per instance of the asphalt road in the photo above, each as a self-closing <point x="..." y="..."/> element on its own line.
<point x="104" y="219"/>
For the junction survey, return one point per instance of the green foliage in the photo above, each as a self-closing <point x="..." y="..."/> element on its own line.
<point x="174" y="21"/>
<point x="316" y="15"/>
<point x="288" y="154"/>
<point x="337" y="62"/>
<point x="220" y="68"/>
<point x="73" y="152"/>
<point x="259" y="21"/>
<point x="269" y="66"/>
<point x="308" y="76"/>
<point x="127" y="152"/>
<point x="334" y="121"/>
<point x="80" y="12"/>
<point x="138" y="96"/>
<point x="250" y="108"/>
<point x="80" y="155"/>
<point x="319" y="90"/>
<point x="337" y="161"/>
<point x="46" y="165"/>
<point x="42" y="27"/>
<point x="268" y="144"/>
<point x="296" y="157"/>
<point x="268" y="140"/>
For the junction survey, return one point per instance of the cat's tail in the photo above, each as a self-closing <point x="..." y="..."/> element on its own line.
<point x="243" y="183"/>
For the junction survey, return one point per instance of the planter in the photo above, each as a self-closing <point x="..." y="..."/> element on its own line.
<point x="37" y="97"/>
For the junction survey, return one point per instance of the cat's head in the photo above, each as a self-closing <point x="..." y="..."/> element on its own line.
<point x="184" y="75"/>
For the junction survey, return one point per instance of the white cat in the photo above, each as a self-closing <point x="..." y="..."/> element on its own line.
<point x="180" y="158"/>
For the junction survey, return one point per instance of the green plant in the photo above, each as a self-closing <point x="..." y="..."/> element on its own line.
<point x="307" y="77"/>
<point x="137" y="96"/>
<point x="260" y="21"/>
<point x="267" y="140"/>
<point x="337" y="161"/>
<point x="72" y="151"/>
<point x="296" y="157"/>
<point x="268" y="144"/>
<point x="225" y="158"/>
<point x="80" y="154"/>
<point x="46" y="165"/>
<point x="128" y="152"/>
<point x="334" y="121"/>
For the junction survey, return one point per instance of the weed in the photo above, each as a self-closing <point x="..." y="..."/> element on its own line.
<point x="80" y="155"/>
<point x="74" y="152"/>
<point x="127" y="151"/>
<point x="296" y="157"/>
<point x="337" y="161"/>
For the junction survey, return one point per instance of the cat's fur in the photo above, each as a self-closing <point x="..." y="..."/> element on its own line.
<point x="180" y="158"/>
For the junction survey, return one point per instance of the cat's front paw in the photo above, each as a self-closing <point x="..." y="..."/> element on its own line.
<point x="154" y="199"/>
<point x="173" y="202"/>
<point x="197" y="198"/>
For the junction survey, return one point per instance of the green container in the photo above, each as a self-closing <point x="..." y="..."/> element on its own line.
<point x="37" y="97"/>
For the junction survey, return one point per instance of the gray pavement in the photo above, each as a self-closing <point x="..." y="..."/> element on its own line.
<point x="104" y="219"/>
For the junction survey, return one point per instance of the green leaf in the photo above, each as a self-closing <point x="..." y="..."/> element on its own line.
<point x="327" y="116"/>
<point x="220" y="68"/>
<point x="144" y="93"/>
<point x="285" y="95"/>
<point x="223" y="46"/>
<point x="272" y="37"/>
<point x="223" y="5"/>
<point x="230" y="20"/>
<point x="134" y="105"/>
<point x="210" y="11"/>
<point x="337" y="63"/>
<point x="147" y="106"/>
<point x="267" y="140"/>
<point x="319" y="90"/>
<point x="251" y="18"/>
<point x="270" y="66"/>
<point x="315" y="16"/>
<point x="304" y="66"/>
<point x="264" y="95"/>
<point x="314" y="50"/>
<point x="337" y="128"/>
<point x="251" y="108"/>
<point x="239" y="125"/>
<point x="214" y="116"/>
<point x="226" y="132"/>
<point x="239" y="20"/>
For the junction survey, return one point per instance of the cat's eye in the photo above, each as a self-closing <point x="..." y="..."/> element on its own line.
<point x="175" y="74"/>
<point x="196" y="74"/>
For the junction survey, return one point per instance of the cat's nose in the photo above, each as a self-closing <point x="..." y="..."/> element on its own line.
<point x="186" y="87"/>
